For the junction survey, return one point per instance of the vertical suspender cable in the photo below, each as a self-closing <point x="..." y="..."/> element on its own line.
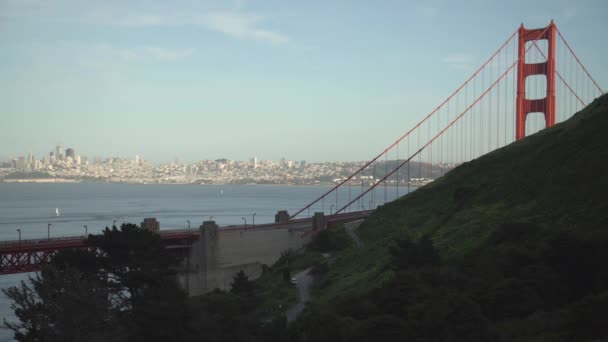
<point x="498" y="107"/>
<point x="385" y="173"/>
<point x="490" y="108"/>
<point x="397" y="190"/>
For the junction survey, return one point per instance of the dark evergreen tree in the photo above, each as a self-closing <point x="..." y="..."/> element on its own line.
<point x="64" y="305"/>
<point x="124" y="287"/>
<point x="241" y="285"/>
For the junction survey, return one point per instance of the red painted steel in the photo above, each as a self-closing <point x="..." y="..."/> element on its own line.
<point x="28" y="255"/>
<point x="545" y="105"/>
<point x="561" y="78"/>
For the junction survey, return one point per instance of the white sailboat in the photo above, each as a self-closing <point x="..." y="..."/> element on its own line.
<point x="57" y="212"/>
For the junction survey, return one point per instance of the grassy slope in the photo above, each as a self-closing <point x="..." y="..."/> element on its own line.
<point x="557" y="178"/>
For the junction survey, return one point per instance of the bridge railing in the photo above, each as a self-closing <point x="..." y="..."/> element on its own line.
<point x="39" y="240"/>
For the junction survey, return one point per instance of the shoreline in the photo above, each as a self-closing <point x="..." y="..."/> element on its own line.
<point x="42" y="180"/>
<point x="78" y="181"/>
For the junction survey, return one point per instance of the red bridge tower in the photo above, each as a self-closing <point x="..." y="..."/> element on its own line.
<point x="546" y="105"/>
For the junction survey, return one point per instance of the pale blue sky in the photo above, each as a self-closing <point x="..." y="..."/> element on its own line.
<point x="236" y="79"/>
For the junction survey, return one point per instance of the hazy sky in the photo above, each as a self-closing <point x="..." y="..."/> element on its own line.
<point x="314" y="80"/>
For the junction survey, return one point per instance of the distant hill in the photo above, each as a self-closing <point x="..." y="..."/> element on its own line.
<point x="511" y="246"/>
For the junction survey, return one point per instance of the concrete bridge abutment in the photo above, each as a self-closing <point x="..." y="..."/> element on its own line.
<point x="220" y="253"/>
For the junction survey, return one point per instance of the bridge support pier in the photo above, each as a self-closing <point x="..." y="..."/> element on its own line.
<point x="209" y="237"/>
<point x="281" y="216"/>
<point x="203" y="259"/>
<point x="319" y="221"/>
<point x="151" y="225"/>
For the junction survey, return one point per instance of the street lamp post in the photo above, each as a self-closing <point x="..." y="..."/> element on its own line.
<point x="19" y="231"/>
<point x="253" y="219"/>
<point x="245" y="220"/>
<point x="48" y="231"/>
<point x="86" y="231"/>
<point x="188" y="224"/>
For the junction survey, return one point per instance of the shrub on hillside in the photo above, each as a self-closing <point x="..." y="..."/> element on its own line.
<point x="414" y="254"/>
<point x="332" y="239"/>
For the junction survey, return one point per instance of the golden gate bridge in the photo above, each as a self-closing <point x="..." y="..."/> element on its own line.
<point x="534" y="80"/>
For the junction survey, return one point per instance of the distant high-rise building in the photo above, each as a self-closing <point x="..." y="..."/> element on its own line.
<point x="254" y="162"/>
<point x="20" y="164"/>
<point x="78" y="160"/>
<point x="69" y="152"/>
<point x="302" y="163"/>
<point x="58" y="152"/>
<point x="139" y="160"/>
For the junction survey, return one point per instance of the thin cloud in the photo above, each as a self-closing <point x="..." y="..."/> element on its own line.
<point x="108" y="53"/>
<point x="235" y="24"/>
<point x="242" y="26"/>
<point x="103" y="55"/>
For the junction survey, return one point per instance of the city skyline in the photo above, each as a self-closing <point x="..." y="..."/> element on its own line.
<point x="65" y="151"/>
<point x="241" y="79"/>
<point x="64" y="165"/>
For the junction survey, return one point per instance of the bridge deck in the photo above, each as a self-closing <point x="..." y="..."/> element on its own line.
<point x="19" y="256"/>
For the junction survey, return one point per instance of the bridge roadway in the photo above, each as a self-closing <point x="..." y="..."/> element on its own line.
<point x="20" y="256"/>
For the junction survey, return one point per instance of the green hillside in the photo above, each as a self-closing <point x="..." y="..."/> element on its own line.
<point x="522" y="238"/>
<point x="557" y="178"/>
